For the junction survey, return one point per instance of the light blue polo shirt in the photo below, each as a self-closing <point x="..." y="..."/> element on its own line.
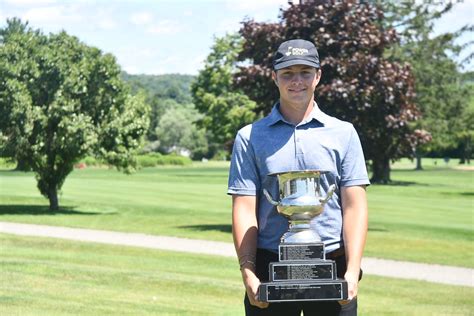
<point x="273" y="145"/>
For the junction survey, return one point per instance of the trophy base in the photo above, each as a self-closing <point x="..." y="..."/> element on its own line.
<point x="333" y="290"/>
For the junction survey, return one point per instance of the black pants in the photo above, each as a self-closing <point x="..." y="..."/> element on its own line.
<point x="323" y="308"/>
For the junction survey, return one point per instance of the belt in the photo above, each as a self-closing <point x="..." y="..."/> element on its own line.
<point x="336" y="253"/>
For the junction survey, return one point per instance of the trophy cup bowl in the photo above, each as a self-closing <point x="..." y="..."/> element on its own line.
<point x="300" y="201"/>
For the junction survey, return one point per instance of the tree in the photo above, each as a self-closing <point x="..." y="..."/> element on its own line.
<point x="225" y="107"/>
<point x="61" y="100"/>
<point x="441" y="95"/>
<point x="358" y="83"/>
<point x="177" y="132"/>
<point x="466" y="136"/>
<point x="166" y="86"/>
<point x="159" y="107"/>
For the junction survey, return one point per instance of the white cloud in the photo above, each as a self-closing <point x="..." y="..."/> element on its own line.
<point x="165" y="27"/>
<point x="158" y="62"/>
<point x="245" y="5"/>
<point x="52" y="15"/>
<point x="227" y="26"/>
<point x="460" y="15"/>
<point x="141" y="18"/>
<point x="133" y="52"/>
<point x="197" y="64"/>
<point x="107" y="23"/>
<point x="130" y="69"/>
<point x="30" y="2"/>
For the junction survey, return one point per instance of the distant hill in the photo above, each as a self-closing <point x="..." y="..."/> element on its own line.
<point x="168" y="86"/>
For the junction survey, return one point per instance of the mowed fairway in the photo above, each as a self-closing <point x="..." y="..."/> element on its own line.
<point x="425" y="216"/>
<point x="177" y="201"/>
<point x="42" y="276"/>
<point x="45" y="276"/>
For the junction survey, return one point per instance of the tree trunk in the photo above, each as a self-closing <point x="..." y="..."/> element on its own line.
<point x="53" y="200"/>
<point x="381" y="170"/>
<point x="21" y="165"/>
<point x="418" y="162"/>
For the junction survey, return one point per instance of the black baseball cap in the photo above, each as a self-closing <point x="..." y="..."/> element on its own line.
<point x="296" y="52"/>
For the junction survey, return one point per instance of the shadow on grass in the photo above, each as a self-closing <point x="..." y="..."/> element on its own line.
<point x="40" y="210"/>
<point x="205" y="175"/>
<point x="219" y="228"/>
<point x="401" y="183"/>
<point x="375" y="229"/>
<point x="228" y="228"/>
<point x="459" y="193"/>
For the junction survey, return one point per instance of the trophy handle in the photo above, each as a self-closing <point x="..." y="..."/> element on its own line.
<point x="269" y="197"/>
<point x="331" y="190"/>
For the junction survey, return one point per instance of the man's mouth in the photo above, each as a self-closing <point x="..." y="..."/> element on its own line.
<point x="297" y="90"/>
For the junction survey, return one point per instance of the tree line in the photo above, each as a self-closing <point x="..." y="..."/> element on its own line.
<point x="383" y="70"/>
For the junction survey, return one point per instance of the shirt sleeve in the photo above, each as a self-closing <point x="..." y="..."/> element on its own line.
<point x="354" y="170"/>
<point x="243" y="175"/>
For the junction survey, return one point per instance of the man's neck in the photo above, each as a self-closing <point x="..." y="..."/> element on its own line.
<point x="296" y="113"/>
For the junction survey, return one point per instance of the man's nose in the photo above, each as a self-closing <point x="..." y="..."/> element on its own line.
<point x="297" y="78"/>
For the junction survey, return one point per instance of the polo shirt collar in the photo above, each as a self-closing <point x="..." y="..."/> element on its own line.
<point x="316" y="114"/>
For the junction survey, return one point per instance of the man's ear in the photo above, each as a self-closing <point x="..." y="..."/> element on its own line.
<point x="318" y="76"/>
<point x="274" y="77"/>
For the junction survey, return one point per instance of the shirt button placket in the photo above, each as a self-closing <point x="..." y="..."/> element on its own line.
<point x="298" y="142"/>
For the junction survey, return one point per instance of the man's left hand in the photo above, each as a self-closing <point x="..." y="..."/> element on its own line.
<point x="352" y="287"/>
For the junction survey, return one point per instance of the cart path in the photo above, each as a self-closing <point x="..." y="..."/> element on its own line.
<point x="374" y="266"/>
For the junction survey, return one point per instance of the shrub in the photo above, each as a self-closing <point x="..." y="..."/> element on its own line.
<point x="174" y="160"/>
<point x="157" y="159"/>
<point x="6" y="163"/>
<point x="145" y="161"/>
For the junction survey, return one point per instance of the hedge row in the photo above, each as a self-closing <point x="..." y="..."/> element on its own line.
<point x="156" y="159"/>
<point x="144" y="161"/>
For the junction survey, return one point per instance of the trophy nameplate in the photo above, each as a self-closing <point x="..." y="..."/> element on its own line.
<point x="301" y="251"/>
<point x="298" y="271"/>
<point x="303" y="291"/>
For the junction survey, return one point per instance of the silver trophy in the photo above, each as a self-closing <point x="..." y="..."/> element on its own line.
<point x="302" y="272"/>
<point x="300" y="201"/>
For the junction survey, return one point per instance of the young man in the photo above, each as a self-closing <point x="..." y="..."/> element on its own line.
<point x="296" y="135"/>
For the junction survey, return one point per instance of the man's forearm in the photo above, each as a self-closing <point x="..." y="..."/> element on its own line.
<point x="244" y="229"/>
<point x="245" y="233"/>
<point x="355" y="223"/>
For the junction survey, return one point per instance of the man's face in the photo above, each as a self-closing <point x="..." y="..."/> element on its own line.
<point x="297" y="83"/>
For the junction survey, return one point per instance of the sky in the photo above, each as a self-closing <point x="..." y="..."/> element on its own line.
<point x="164" y="36"/>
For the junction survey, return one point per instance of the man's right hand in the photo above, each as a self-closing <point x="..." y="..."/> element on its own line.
<point x="252" y="283"/>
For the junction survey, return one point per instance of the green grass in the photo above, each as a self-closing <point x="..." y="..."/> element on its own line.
<point x="425" y="216"/>
<point x="45" y="276"/>
<point x="390" y="296"/>
<point x="41" y="276"/>
<point x="179" y="201"/>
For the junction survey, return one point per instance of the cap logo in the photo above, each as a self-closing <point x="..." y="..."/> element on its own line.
<point x="295" y="51"/>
